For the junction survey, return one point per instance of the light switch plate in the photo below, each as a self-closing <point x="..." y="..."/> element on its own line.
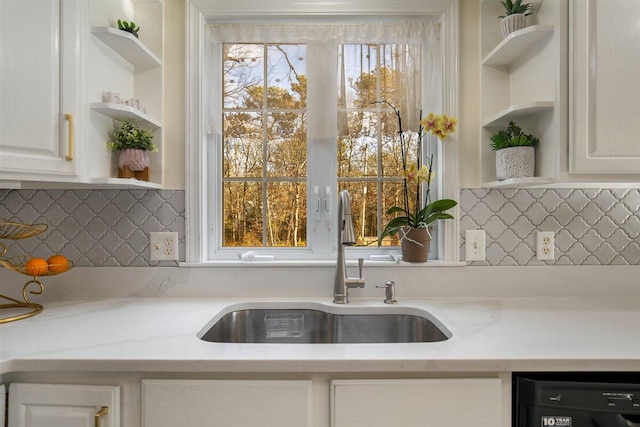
<point x="163" y="246"/>
<point x="474" y="245"/>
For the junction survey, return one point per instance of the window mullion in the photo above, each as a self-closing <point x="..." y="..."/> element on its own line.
<point x="321" y="145"/>
<point x="380" y="219"/>
<point x="265" y="144"/>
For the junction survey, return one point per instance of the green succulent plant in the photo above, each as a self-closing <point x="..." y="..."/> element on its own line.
<point x="512" y="136"/>
<point x="516" y="7"/>
<point x="131" y="27"/>
<point x="127" y="134"/>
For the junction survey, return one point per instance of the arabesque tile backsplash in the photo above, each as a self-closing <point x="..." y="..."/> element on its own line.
<point x="95" y="228"/>
<point x="110" y="227"/>
<point x="591" y="226"/>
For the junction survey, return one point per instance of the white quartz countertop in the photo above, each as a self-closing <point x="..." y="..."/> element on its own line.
<point x="488" y="335"/>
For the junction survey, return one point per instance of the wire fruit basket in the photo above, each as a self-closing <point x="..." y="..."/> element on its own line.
<point x="19" y="264"/>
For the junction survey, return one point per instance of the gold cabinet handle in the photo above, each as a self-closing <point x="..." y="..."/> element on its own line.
<point x="104" y="410"/>
<point x="69" y="117"/>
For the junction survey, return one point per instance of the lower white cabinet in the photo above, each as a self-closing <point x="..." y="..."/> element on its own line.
<point x="317" y="401"/>
<point x="53" y="405"/>
<point x="352" y="403"/>
<point x="226" y="403"/>
<point x="3" y="400"/>
<point x="416" y="402"/>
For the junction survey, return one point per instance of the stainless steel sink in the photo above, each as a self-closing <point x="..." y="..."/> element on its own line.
<point x="314" y="326"/>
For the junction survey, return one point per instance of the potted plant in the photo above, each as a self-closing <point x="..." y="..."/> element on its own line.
<point x="413" y="223"/>
<point x="133" y="143"/>
<point x="129" y="27"/>
<point x="515" y="153"/>
<point x="515" y="16"/>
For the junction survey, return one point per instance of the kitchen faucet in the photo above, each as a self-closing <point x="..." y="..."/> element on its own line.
<point x="346" y="237"/>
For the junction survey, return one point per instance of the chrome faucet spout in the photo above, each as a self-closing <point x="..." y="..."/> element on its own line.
<point x="346" y="237"/>
<point x="348" y="234"/>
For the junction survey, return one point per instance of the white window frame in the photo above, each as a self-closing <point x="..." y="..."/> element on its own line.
<point x="197" y="173"/>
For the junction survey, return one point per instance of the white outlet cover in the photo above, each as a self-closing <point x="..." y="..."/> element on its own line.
<point x="545" y="244"/>
<point x="474" y="245"/>
<point x="163" y="246"/>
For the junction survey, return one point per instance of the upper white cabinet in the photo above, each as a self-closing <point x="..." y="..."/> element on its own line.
<point x="408" y="403"/>
<point x="53" y="405"/>
<point x="569" y="79"/>
<point x="54" y="117"/>
<point x="604" y="87"/>
<point x="42" y="85"/>
<point x="522" y="77"/>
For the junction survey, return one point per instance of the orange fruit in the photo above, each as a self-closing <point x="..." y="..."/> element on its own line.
<point x="36" y="267"/>
<point x="58" y="264"/>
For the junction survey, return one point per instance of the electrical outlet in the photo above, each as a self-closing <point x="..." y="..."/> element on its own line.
<point x="544" y="245"/>
<point x="474" y="245"/>
<point x="163" y="246"/>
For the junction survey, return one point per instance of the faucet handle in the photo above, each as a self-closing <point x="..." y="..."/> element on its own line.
<point x="356" y="282"/>
<point x="390" y="292"/>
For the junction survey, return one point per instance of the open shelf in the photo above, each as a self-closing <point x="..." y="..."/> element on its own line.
<point x="122" y="112"/>
<point x="123" y="64"/>
<point x="127" y="46"/>
<point x="124" y="183"/>
<point x="521" y="80"/>
<point x="516" y="45"/>
<point x="517" y="112"/>
<point x="519" y="182"/>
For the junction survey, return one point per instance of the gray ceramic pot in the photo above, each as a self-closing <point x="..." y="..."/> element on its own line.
<point x="515" y="162"/>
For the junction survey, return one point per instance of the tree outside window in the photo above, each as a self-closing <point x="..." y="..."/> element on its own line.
<point x="265" y="146"/>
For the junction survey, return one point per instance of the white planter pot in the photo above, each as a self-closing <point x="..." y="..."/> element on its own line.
<point x="515" y="162"/>
<point x="511" y="23"/>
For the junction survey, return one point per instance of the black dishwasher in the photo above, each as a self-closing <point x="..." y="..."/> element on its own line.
<point x="576" y="400"/>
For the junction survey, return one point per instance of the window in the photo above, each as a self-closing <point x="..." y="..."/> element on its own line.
<point x="264" y="144"/>
<point x="369" y="154"/>
<point x="291" y="115"/>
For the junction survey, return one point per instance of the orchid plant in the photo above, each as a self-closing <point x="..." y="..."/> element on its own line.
<point x="418" y="178"/>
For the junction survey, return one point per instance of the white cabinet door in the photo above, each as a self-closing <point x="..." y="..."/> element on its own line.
<point x="226" y="403"/>
<point x="41" y="57"/>
<point x="52" y="405"/>
<point x="604" y="87"/>
<point x="408" y="403"/>
<point x="3" y="409"/>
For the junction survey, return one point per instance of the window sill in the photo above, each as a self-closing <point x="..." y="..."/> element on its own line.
<point x="318" y="263"/>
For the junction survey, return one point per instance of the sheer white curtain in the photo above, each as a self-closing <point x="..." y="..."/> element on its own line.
<point x="361" y="32"/>
<point x="415" y="51"/>
<point x="421" y="91"/>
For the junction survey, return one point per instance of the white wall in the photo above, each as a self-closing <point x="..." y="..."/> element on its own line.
<point x="469" y="69"/>
<point x="173" y="120"/>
